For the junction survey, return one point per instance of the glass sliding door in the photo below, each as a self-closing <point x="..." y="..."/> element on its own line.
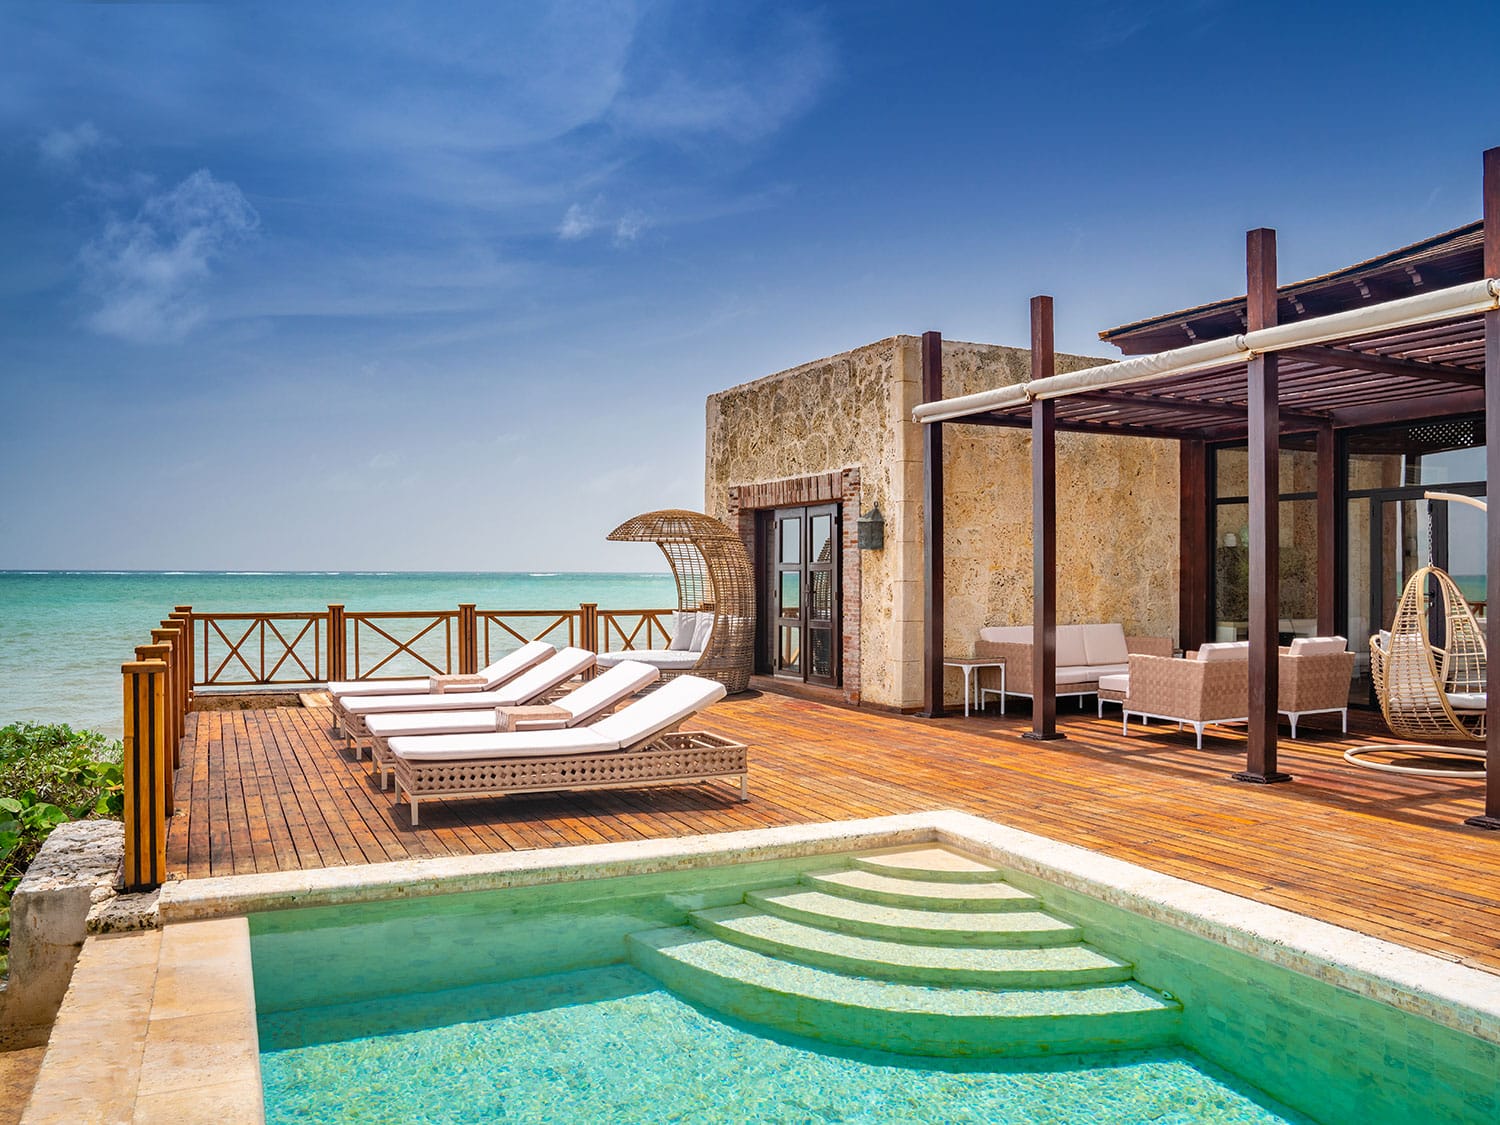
<point x="802" y="599"/>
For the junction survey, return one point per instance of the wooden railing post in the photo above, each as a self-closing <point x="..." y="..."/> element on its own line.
<point x="588" y="630"/>
<point x="468" y="639"/>
<point x="337" y="648"/>
<point x="167" y="636"/>
<point x="164" y="724"/>
<point x="145" y="774"/>
<point x="184" y="615"/>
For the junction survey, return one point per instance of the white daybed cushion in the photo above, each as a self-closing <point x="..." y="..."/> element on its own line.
<point x="1070" y="650"/>
<point x="562" y="666"/>
<point x="1317" y="646"/>
<point x="1468" y="700"/>
<point x="608" y="688"/>
<point x="1225" y="650"/>
<point x="1105" y="644"/>
<point x="1120" y="683"/>
<point x="684" y="626"/>
<point x="659" y="657"/>
<point x="402" y="723"/>
<point x="704" y="630"/>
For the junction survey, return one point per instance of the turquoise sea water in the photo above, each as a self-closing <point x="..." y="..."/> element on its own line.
<point x="64" y="634"/>
<point x="610" y="1045"/>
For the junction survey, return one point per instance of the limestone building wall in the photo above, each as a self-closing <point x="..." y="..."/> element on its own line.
<point x="1118" y="502"/>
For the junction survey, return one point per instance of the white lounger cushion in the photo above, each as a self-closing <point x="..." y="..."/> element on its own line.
<point x="658" y="657"/>
<point x="607" y="689"/>
<point x="402" y="723"/>
<point x="508" y="666"/>
<point x="559" y="668"/>
<point x="636" y="723"/>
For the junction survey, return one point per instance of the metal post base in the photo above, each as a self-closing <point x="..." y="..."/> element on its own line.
<point x="1490" y="822"/>
<point x="1032" y="736"/>
<point x="1261" y="778"/>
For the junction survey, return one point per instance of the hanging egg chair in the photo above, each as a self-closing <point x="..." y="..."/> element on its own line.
<point x="1427" y="691"/>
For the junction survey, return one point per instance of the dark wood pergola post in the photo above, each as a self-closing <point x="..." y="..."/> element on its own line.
<point x="1265" y="512"/>
<point x="1196" y="543"/>
<point x="1491" y="815"/>
<point x="1328" y="495"/>
<point x="1043" y="532"/>
<point x="932" y="531"/>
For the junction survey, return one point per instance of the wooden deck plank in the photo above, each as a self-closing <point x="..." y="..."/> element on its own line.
<point x="1379" y="853"/>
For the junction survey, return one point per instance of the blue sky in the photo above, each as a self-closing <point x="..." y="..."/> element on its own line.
<point x="445" y="286"/>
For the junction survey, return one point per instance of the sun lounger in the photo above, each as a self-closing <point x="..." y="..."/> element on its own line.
<point x="507" y="668"/>
<point x="530" y="686"/>
<point x="637" y="745"/>
<point x="594" y="699"/>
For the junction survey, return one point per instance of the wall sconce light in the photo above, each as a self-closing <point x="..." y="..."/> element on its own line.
<point x="871" y="529"/>
<point x="1231" y="539"/>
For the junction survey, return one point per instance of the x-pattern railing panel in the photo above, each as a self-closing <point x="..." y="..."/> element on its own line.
<point x="628" y="625"/>
<point x="264" y="639"/>
<point x="436" y="656"/>
<point x="560" y="627"/>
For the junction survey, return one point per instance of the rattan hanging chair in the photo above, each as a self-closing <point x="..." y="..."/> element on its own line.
<point x="713" y="574"/>
<point x="1430" y="692"/>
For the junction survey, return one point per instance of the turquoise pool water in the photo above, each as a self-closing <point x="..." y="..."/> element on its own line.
<point x="610" y="1045"/>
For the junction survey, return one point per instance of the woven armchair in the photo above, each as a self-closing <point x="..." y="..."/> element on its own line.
<point x="1312" y="682"/>
<point x="1196" y="692"/>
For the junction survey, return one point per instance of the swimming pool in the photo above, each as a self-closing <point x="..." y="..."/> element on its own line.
<point x="522" y="993"/>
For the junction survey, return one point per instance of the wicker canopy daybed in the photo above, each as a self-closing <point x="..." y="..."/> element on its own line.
<point x="715" y="596"/>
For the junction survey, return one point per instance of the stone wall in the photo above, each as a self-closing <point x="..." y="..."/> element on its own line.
<point x="1118" y="501"/>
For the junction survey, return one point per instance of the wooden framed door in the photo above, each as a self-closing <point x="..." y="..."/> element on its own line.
<point x="803" y="620"/>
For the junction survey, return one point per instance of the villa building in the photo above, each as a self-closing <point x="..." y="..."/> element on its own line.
<point x="1152" y="486"/>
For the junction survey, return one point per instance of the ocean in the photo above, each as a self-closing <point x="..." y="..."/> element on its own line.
<point x="64" y="634"/>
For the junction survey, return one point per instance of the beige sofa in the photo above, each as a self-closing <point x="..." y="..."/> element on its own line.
<point x="1084" y="653"/>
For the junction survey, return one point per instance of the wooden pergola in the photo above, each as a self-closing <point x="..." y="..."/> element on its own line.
<point x="1410" y="336"/>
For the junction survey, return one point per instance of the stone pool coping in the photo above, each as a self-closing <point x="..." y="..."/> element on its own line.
<point x="1453" y="995"/>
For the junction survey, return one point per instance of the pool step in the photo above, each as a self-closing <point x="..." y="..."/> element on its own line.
<point x="1062" y="966"/>
<point x="913" y="1019"/>
<point x="922" y="894"/>
<point x="930" y="862"/>
<point x="999" y="928"/>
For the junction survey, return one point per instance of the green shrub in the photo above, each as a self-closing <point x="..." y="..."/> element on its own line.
<point x="49" y="774"/>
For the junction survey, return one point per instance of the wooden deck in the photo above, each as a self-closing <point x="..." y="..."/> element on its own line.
<point x="1386" y="855"/>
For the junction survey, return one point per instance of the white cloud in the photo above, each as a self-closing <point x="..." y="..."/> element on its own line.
<point x="147" y="271"/>
<point x="630" y="227"/>
<point x="579" y="222"/>
<point x="63" y="147"/>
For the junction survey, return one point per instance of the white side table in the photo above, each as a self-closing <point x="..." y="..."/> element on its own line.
<point x="968" y="665"/>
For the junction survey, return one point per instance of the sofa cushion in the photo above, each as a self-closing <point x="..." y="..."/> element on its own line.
<point x="1076" y="674"/>
<point x="1006" y="634"/>
<point x="1070" y="648"/>
<point x="1228" y="650"/>
<point x="1119" y="683"/>
<point x="1317" y="646"/>
<point x="1102" y="670"/>
<point x="1105" y="644"/>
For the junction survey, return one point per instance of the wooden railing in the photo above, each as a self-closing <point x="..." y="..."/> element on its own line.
<point x="229" y="650"/>
<point x="226" y="650"/>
